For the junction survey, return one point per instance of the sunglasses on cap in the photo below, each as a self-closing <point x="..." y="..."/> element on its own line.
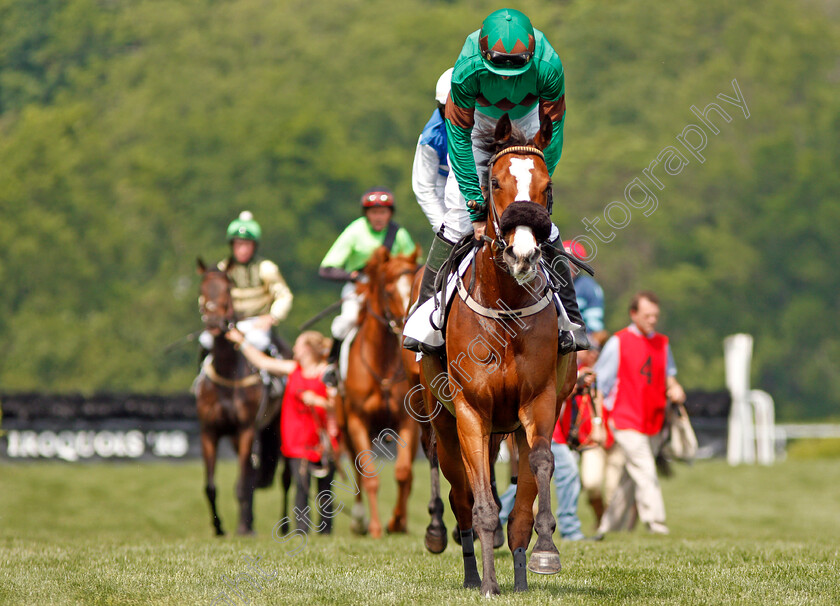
<point x="508" y="59"/>
<point x="377" y="198"/>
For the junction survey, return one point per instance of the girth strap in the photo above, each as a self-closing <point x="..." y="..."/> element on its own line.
<point x="502" y="314"/>
<point x="224" y="382"/>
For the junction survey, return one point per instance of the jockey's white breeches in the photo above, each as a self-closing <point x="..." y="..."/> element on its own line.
<point x="456" y="221"/>
<point x="256" y="337"/>
<point x="351" y="305"/>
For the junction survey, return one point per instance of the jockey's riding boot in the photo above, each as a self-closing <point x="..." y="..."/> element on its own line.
<point x="575" y="340"/>
<point x="438" y="254"/>
<point x="330" y="377"/>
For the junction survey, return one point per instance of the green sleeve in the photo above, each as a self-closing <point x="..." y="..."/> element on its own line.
<point x="459" y="141"/>
<point x="403" y="244"/>
<point x="339" y="253"/>
<point x="552" y="91"/>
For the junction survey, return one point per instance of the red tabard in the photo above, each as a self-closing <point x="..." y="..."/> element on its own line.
<point x="640" y="396"/>
<point x="583" y="406"/>
<point x="299" y="423"/>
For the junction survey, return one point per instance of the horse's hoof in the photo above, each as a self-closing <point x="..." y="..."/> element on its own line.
<point x="397" y="526"/>
<point x="220" y="533"/>
<point x="358" y="527"/>
<point x="472" y="581"/>
<point x="375" y="532"/>
<point x="245" y="532"/>
<point x="544" y="562"/>
<point x="436" y="539"/>
<point x="490" y="590"/>
<point x="358" y="524"/>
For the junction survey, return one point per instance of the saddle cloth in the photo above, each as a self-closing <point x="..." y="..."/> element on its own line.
<point x="421" y="324"/>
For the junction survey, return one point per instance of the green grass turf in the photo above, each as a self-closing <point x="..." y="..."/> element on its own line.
<point x="141" y="534"/>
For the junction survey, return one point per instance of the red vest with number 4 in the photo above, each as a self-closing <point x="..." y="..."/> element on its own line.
<point x="640" y="397"/>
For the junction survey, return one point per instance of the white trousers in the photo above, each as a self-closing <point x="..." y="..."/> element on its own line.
<point x="346" y="321"/>
<point x="638" y="483"/>
<point x="260" y="339"/>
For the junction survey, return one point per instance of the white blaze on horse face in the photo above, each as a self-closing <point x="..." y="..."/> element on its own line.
<point x="521" y="169"/>
<point x="524" y="241"/>
<point x="525" y="254"/>
<point x="404" y="289"/>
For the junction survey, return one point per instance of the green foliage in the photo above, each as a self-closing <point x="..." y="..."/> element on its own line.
<point x="132" y="133"/>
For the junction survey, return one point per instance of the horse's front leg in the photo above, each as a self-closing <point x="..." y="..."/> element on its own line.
<point x="242" y="443"/>
<point x="474" y="436"/>
<point x="209" y="444"/>
<point x="436" y="538"/>
<point x="367" y="472"/>
<point x="409" y="433"/>
<point x="539" y="425"/>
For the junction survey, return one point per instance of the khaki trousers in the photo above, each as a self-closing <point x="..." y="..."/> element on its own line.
<point x="638" y="483"/>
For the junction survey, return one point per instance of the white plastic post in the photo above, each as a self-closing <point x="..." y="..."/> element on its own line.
<point x="765" y="426"/>
<point x="741" y="440"/>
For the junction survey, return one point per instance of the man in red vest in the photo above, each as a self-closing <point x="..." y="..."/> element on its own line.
<point x="636" y="373"/>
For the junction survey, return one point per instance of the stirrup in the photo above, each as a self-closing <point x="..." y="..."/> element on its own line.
<point x="423" y="348"/>
<point x="571" y="341"/>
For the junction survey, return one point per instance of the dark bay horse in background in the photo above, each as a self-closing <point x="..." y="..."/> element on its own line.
<point x="375" y="387"/>
<point x="502" y="371"/>
<point x="231" y="400"/>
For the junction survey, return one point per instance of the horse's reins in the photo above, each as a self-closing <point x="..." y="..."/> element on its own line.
<point x="388" y="319"/>
<point x="500" y="245"/>
<point x="227" y="324"/>
<point x="395" y="326"/>
<point x="530" y="150"/>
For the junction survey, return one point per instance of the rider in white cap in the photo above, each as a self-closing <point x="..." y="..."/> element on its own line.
<point x="431" y="166"/>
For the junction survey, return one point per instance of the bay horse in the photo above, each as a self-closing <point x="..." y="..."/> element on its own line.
<point x="502" y="372"/>
<point x="375" y="386"/>
<point x="230" y="401"/>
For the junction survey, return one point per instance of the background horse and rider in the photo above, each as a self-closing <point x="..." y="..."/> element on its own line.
<point x="501" y="366"/>
<point x="232" y="400"/>
<point x="375" y="386"/>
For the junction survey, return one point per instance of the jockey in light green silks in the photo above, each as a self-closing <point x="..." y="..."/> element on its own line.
<point x="350" y="253"/>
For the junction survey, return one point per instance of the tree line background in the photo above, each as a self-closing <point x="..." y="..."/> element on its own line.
<point x="131" y="133"/>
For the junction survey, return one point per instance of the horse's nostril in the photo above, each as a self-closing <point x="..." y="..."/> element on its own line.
<point x="534" y="257"/>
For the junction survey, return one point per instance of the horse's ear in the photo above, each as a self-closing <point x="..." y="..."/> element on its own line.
<point x="200" y="266"/>
<point x="504" y="128"/>
<point x="543" y="137"/>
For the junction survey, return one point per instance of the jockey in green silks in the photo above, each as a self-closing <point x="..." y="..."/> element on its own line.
<point x="261" y="297"/>
<point x="506" y="67"/>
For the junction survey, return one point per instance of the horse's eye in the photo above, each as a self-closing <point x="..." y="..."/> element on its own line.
<point x="494" y="182"/>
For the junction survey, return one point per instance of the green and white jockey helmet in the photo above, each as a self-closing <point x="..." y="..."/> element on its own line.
<point x="507" y="42"/>
<point x="244" y="227"/>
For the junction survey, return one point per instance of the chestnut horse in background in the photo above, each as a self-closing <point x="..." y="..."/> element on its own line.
<point x="502" y="372"/>
<point x="372" y="404"/>
<point x="229" y="395"/>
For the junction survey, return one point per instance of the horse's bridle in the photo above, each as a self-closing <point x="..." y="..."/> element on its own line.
<point x="500" y="244"/>
<point x="226" y="321"/>
<point x="394" y="324"/>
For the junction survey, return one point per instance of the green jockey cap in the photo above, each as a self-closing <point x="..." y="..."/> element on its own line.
<point x="507" y="42"/>
<point x="244" y="227"/>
